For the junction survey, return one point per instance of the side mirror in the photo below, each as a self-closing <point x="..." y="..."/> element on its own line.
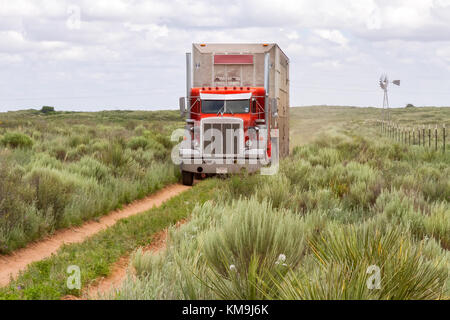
<point x="274" y="107"/>
<point x="182" y="106"/>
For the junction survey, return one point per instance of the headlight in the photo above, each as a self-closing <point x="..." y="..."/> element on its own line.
<point x="248" y="143"/>
<point x="196" y="144"/>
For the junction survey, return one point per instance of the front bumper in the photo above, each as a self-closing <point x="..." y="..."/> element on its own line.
<point x="252" y="161"/>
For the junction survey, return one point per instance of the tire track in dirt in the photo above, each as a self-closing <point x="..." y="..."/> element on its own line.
<point x="11" y="265"/>
<point x="120" y="268"/>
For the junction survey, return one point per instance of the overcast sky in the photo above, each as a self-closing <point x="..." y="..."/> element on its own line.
<point x="130" y="54"/>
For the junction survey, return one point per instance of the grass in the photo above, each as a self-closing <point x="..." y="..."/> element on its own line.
<point x="307" y="123"/>
<point x="46" y="279"/>
<point x="59" y="169"/>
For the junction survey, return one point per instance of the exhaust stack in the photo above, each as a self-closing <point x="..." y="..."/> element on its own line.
<point x="188" y="83"/>
<point x="266" y="88"/>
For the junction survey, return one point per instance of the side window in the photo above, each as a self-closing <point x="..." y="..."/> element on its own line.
<point x="253" y="106"/>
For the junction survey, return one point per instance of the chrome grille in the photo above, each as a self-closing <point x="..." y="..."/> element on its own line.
<point x="222" y="138"/>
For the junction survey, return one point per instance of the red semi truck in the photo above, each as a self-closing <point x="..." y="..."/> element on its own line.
<point x="237" y="109"/>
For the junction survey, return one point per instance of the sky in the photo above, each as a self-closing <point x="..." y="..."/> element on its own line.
<point x="93" y="55"/>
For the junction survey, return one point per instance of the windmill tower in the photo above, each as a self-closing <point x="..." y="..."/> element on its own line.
<point x="384" y="83"/>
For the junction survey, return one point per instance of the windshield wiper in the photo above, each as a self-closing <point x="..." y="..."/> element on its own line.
<point x="223" y="107"/>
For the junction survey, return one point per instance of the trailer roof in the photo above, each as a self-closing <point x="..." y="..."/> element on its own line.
<point x="235" y="48"/>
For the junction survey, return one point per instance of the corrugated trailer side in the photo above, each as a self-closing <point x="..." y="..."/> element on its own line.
<point x="279" y="89"/>
<point x="247" y="71"/>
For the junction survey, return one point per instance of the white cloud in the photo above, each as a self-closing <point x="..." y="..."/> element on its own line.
<point x="152" y="30"/>
<point x="292" y="35"/>
<point x="333" y="36"/>
<point x="327" y="64"/>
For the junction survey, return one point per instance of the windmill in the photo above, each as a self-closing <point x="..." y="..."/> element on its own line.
<point x="384" y="83"/>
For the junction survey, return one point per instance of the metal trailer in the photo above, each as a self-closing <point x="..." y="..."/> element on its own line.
<point x="262" y="70"/>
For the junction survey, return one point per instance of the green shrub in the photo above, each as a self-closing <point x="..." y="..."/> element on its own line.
<point x="17" y="140"/>
<point x="115" y="156"/>
<point x="20" y="222"/>
<point x="241" y="185"/>
<point x="253" y="240"/>
<point x="138" y="142"/>
<point x="347" y="254"/>
<point x="53" y="191"/>
<point x="91" y="168"/>
<point x="277" y="190"/>
<point x="47" y="109"/>
<point x="139" y="129"/>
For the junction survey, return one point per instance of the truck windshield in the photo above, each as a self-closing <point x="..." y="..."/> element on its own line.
<point x="225" y="106"/>
<point x="212" y="106"/>
<point x="237" y="106"/>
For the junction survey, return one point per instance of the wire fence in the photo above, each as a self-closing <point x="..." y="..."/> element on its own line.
<point x="433" y="138"/>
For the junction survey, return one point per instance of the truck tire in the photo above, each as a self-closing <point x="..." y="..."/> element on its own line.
<point x="188" y="178"/>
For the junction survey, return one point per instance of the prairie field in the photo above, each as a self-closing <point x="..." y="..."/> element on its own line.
<point x="347" y="204"/>
<point x="59" y="169"/>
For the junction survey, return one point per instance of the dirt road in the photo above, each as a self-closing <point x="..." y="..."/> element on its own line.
<point x="119" y="270"/>
<point x="11" y="265"/>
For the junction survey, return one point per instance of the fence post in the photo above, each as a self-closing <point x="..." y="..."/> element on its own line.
<point x="418" y="130"/>
<point x="443" y="138"/>
<point x="423" y="135"/>
<point x="414" y="136"/>
<point x="435" y="138"/>
<point x="429" y="136"/>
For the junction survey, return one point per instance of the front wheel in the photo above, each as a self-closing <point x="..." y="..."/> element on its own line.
<point x="188" y="178"/>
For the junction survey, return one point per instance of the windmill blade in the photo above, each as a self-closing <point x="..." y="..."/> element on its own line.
<point x="384" y="82"/>
<point x="396" y="82"/>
